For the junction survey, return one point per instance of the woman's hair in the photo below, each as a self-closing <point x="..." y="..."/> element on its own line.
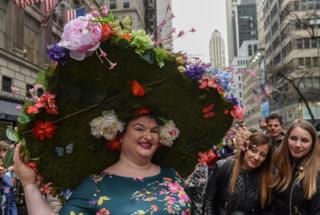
<point x="284" y="163"/>
<point x="264" y="171"/>
<point x="134" y="117"/>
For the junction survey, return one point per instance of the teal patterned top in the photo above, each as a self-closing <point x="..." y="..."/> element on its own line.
<point x="117" y="195"/>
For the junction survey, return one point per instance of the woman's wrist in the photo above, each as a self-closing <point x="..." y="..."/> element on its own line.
<point x="29" y="185"/>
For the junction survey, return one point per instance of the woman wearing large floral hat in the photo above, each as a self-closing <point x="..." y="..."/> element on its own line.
<point x="117" y="106"/>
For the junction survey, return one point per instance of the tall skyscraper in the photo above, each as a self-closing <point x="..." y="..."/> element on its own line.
<point x="241" y="24"/>
<point x="216" y="50"/>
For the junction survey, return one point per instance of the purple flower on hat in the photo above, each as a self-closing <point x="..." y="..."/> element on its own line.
<point x="195" y="71"/>
<point x="233" y="99"/>
<point x="57" y="53"/>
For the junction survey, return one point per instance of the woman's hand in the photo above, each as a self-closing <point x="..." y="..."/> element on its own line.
<point x="25" y="174"/>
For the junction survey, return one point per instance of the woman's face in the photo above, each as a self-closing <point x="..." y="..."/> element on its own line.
<point x="141" y="138"/>
<point x="255" y="156"/>
<point x="299" y="142"/>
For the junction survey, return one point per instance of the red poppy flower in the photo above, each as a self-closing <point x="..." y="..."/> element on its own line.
<point x="106" y="32"/>
<point x="43" y="130"/>
<point x="136" y="88"/>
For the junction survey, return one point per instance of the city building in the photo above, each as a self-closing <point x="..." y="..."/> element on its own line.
<point x="241" y="24"/>
<point x="134" y="8"/>
<point x="291" y="43"/>
<point x="216" y="50"/>
<point x="239" y="64"/>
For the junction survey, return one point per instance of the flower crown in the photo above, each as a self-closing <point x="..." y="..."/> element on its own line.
<point x="108" y="126"/>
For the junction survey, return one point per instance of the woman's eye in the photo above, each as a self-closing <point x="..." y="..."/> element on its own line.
<point x="293" y="138"/>
<point x="305" y="140"/>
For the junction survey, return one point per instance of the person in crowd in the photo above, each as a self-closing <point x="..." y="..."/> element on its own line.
<point x="7" y="201"/>
<point x="241" y="185"/>
<point x="127" y="186"/>
<point x="144" y="120"/>
<point x="275" y="129"/>
<point x="6" y="153"/>
<point x="296" y="189"/>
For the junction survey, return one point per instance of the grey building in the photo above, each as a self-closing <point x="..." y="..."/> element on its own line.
<point x="241" y="24"/>
<point x="291" y="45"/>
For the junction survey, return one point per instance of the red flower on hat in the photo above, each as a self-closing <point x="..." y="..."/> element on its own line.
<point x="142" y="111"/>
<point x="114" y="145"/>
<point x="136" y="88"/>
<point x="207" y="111"/>
<point x="106" y="32"/>
<point x="209" y="157"/>
<point x="43" y="130"/>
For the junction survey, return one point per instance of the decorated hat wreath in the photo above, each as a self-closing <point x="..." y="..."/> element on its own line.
<point x="103" y="75"/>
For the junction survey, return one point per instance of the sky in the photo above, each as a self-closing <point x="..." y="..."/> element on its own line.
<point x="205" y="16"/>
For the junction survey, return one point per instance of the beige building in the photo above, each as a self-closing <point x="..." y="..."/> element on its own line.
<point x="133" y="8"/>
<point x="217" y="50"/>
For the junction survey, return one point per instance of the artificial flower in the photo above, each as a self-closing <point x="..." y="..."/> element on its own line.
<point x="44" y="130"/>
<point x="114" y="145"/>
<point x="195" y="71"/>
<point x="81" y="36"/>
<point x="57" y="53"/>
<point x="106" y="32"/>
<point x="168" y="133"/>
<point x="181" y="69"/>
<point x="209" y="157"/>
<point x="141" y="41"/>
<point x="142" y="111"/>
<point x="104" y="10"/>
<point x="136" y="88"/>
<point x="106" y="126"/>
<point x="237" y="112"/>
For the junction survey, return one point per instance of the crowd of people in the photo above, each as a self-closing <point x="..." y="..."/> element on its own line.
<point x="270" y="172"/>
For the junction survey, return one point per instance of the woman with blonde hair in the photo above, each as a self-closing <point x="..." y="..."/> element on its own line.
<point x="241" y="185"/>
<point x="296" y="185"/>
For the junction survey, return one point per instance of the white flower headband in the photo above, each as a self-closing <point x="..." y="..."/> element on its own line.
<point x="108" y="125"/>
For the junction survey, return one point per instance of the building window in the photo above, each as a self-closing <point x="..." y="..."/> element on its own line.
<point x="250" y="50"/>
<point x="113" y="4"/>
<point x="6" y="84"/>
<point x="28" y="88"/>
<point x="126" y="4"/>
<point x="31" y="39"/>
<point x="2" y="22"/>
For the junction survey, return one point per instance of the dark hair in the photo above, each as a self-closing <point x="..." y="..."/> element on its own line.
<point x="274" y="116"/>
<point x="134" y="117"/>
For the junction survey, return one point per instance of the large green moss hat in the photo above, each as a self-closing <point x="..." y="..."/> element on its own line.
<point x="104" y="74"/>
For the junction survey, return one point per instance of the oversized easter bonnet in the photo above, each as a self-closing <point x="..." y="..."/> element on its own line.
<point x="105" y="74"/>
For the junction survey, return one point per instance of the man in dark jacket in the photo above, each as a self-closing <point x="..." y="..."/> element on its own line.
<point x="275" y="129"/>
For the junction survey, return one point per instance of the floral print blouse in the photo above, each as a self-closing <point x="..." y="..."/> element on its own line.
<point x="108" y="194"/>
